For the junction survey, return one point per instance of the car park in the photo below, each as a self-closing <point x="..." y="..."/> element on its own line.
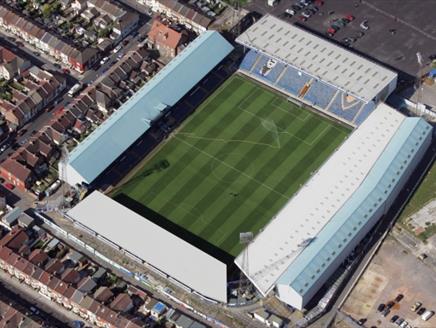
<point x="415" y="307"/>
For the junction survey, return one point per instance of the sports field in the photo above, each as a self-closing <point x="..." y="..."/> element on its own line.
<point x="234" y="163"/>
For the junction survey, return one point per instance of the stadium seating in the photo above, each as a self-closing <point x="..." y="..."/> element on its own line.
<point x="290" y="80"/>
<point x="342" y="108"/>
<point x="364" y="113"/>
<point x="320" y="94"/>
<point x="249" y="60"/>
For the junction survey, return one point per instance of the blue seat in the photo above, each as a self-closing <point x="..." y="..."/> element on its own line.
<point x="320" y="94"/>
<point x="366" y="110"/>
<point x="292" y="82"/>
<point x="249" y="60"/>
<point x="347" y="112"/>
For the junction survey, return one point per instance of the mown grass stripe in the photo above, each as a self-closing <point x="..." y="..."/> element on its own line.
<point x="178" y="167"/>
<point x="320" y="149"/>
<point x="226" y="214"/>
<point x="222" y="153"/>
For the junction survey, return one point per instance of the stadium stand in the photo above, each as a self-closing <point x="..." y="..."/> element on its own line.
<point x="313" y="70"/>
<point x="320" y="226"/>
<point x="114" y="136"/>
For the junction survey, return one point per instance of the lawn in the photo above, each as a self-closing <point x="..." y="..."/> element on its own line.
<point x="425" y="193"/>
<point x="234" y="163"/>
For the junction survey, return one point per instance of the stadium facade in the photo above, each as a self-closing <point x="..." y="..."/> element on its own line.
<point x="318" y="228"/>
<point x="323" y="222"/>
<point x="325" y="76"/>
<point x="102" y="147"/>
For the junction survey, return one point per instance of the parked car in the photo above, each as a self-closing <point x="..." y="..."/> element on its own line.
<point x="9" y="186"/>
<point x="302" y="18"/>
<point x="390" y="305"/>
<point x="104" y="60"/>
<point x="117" y="48"/>
<point x="427" y="315"/>
<point x="381" y="307"/>
<point x="290" y="12"/>
<point x="364" y="25"/>
<point x="307" y="13"/>
<point x="331" y="31"/>
<point x="399" y="298"/>
<point x="319" y="3"/>
<point x="386" y="312"/>
<point x="404" y="324"/>
<point x="399" y="321"/>
<point x="349" y="17"/>
<point x="415" y="307"/>
<point x="2" y="180"/>
<point x="394" y="318"/>
<point x="296" y="7"/>
<point x="421" y="311"/>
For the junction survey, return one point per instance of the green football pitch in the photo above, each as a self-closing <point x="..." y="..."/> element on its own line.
<point x="234" y="163"/>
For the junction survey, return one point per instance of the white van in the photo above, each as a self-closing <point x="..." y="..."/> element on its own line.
<point x="427" y="315"/>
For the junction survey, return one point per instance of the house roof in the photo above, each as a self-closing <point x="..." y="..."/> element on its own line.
<point x="14" y="239"/>
<point x="164" y="35"/>
<point x="123" y="302"/>
<point x="38" y="257"/>
<point x="103" y="294"/>
<point x="16" y="169"/>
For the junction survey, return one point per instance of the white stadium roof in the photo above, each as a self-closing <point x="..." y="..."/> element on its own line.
<point x="291" y="243"/>
<point x="317" y="57"/>
<point x="153" y="244"/>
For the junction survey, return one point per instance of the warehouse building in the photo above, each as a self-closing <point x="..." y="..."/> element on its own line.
<point x="102" y="147"/>
<point x="318" y="228"/>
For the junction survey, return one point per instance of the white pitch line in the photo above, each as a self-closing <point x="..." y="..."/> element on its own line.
<point x="231" y="167"/>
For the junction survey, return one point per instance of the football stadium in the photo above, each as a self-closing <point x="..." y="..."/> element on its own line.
<point x="297" y="147"/>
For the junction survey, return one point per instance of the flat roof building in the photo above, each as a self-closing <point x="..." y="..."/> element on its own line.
<point x="152" y="244"/>
<point x="93" y="155"/>
<point x="318" y="228"/>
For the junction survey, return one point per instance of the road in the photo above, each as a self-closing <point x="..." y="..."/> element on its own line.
<point x="23" y="297"/>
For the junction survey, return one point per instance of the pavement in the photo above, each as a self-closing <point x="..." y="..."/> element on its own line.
<point x="26" y="297"/>
<point x="412" y="20"/>
<point x="393" y="271"/>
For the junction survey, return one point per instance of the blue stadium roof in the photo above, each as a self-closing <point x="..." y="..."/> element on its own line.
<point x="91" y="157"/>
<point x="358" y="209"/>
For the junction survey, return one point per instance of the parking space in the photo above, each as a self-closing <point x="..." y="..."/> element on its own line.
<point x="393" y="271"/>
<point x="397" y="30"/>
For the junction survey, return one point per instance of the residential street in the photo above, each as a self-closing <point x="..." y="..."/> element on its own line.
<point x="48" y="310"/>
